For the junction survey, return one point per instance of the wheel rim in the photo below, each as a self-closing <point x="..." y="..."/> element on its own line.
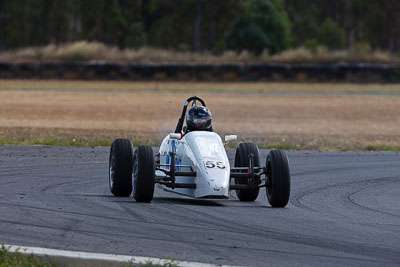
<point x="112" y="170"/>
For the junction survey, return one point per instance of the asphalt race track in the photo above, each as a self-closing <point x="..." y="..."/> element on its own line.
<point x="344" y="210"/>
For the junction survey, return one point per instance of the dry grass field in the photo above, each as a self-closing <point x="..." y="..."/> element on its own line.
<point x="94" y="113"/>
<point x="195" y="87"/>
<point x="94" y="51"/>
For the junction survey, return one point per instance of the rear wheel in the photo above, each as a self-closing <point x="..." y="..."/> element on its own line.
<point x="143" y="175"/>
<point x="242" y="160"/>
<point x="278" y="179"/>
<point x="120" y="167"/>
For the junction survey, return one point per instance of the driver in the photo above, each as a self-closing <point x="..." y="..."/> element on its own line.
<point x="198" y="119"/>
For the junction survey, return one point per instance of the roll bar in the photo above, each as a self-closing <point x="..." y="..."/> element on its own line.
<point x="179" y="126"/>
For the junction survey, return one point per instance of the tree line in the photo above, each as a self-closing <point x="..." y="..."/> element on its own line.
<point x="204" y="25"/>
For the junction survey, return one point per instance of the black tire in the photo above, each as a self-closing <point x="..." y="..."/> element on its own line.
<point x="278" y="179"/>
<point x="143" y="175"/>
<point x="242" y="160"/>
<point x="120" y="167"/>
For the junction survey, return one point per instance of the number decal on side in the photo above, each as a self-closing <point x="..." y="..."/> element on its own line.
<point x="210" y="164"/>
<point x="213" y="164"/>
<point x="220" y="165"/>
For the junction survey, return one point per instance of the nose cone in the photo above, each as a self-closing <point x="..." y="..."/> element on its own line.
<point x="212" y="179"/>
<point x="218" y="186"/>
<point x="217" y="182"/>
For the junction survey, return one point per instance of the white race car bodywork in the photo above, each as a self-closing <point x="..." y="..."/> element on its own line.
<point x="204" y="153"/>
<point x="192" y="161"/>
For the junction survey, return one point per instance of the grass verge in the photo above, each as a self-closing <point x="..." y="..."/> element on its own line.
<point x="171" y="263"/>
<point x="323" y="147"/>
<point x="18" y="259"/>
<point x="57" y="141"/>
<point x="262" y="145"/>
<point x="54" y="141"/>
<point x="11" y="259"/>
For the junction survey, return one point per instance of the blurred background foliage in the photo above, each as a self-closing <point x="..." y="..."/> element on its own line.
<point x="205" y="25"/>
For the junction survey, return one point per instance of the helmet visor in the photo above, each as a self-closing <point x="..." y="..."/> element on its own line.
<point x="200" y="122"/>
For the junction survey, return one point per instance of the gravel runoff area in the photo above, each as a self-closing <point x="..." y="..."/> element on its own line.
<point x="344" y="210"/>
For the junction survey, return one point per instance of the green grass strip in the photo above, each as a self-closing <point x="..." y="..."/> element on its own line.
<point x="87" y="142"/>
<point x="11" y="259"/>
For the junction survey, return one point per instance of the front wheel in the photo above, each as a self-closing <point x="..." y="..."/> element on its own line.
<point x="242" y="160"/>
<point x="278" y="179"/>
<point x="143" y="175"/>
<point x="120" y="167"/>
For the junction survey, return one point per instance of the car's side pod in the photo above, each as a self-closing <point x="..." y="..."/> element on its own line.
<point x="172" y="173"/>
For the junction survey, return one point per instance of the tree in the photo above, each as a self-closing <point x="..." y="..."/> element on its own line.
<point x="197" y="27"/>
<point x="331" y="35"/>
<point x="304" y="18"/>
<point x="203" y="24"/>
<point x="262" y="25"/>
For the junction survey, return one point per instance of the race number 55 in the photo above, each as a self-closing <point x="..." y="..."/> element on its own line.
<point x="212" y="164"/>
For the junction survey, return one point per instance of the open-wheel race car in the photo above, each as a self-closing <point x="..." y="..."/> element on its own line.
<point x="193" y="162"/>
